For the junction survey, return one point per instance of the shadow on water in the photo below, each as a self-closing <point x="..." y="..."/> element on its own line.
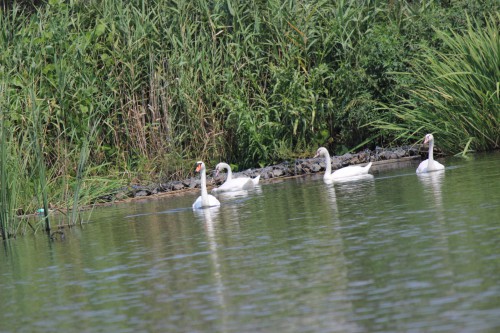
<point x="170" y="211"/>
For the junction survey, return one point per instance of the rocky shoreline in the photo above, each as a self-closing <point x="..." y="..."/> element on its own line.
<point x="298" y="167"/>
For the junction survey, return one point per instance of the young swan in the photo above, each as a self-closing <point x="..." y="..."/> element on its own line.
<point x="205" y="200"/>
<point x="429" y="164"/>
<point x="234" y="184"/>
<point x="349" y="171"/>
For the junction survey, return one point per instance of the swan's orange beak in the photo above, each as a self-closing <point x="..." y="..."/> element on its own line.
<point x="426" y="140"/>
<point x="198" y="167"/>
<point x="216" y="172"/>
<point x="317" y="155"/>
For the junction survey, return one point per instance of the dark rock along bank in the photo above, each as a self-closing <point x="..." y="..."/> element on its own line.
<point x="298" y="167"/>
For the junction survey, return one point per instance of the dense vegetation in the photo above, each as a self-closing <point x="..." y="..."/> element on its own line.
<point x="93" y="93"/>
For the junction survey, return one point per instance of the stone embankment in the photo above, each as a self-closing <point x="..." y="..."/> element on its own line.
<point x="297" y="167"/>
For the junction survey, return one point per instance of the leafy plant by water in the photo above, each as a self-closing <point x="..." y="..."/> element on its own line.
<point x="39" y="160"/>
<point x="167" y="83"/>
<point x="457" y="92"/>
<point x="81" y="168"/>
<point x="6" y="189"/>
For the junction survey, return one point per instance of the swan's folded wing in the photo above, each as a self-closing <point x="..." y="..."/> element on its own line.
<point x="235" y="184"/>
<point x="422" y="167"/>
<point x="249" y="184"/>
<point x="256" y="180"/>
<point x="197" y="203"/>
<point x="212" y="201"/>
<point x="349" y="171"/>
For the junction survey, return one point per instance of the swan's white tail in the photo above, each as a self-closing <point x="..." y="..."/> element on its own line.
<point x="248" y="185"/>
<point x="256" y="180"/>
<point x="368" y="166"/>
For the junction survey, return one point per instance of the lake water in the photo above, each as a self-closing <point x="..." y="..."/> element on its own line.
<point x="394" y="253"/>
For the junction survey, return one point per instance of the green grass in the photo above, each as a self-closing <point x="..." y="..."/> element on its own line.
<point x="104" y="93"/>
<point x="457" y="92"/>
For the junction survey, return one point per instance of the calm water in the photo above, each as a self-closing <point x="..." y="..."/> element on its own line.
<point x="395" y="253"/>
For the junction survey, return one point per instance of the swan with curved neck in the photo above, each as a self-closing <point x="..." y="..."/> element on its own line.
<point x="429" y="164"/>
<point x="349" y="171"/>
<point x="234" y="184"/>
<point x="205" y="200"/>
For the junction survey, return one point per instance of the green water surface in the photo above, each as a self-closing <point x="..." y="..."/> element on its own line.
<point x="393" y="253"/>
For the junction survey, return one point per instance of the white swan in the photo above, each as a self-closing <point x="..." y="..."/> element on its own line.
<point x="204" y="200"/>
<point x="349" y="171"/>
<point x="429" y="164"/>
<point x="234" y="184"/>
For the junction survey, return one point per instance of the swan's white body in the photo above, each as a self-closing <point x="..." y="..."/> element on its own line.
<point x="349" y="171"/>
<point x="429" y="164"/>
<point x="205" y="200"/>
<point x="234" y="184"/>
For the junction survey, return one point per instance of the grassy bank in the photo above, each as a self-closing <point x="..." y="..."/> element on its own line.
<point x="95" y="94"/>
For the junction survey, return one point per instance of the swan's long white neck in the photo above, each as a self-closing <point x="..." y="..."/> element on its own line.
<point x="229" y="172"/>
<point x="430" y="164"/>
<point x="328" y="162"/>
<point x="204" y="192"/>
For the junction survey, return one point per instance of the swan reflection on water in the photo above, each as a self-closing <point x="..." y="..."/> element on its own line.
<point x="209" y="216"/>
<point x="333" y="197"/>
<point x="233" y="194"/>
<point x="352" y="186"/>
<point x="240" y="193"/>
<point x="433" y="182"/>
<point x="348" y="188"/>
<point x="351" y="179"/>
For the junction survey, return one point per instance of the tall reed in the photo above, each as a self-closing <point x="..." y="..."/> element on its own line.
<point x="185" y="79"/>
<point x="5" y="216"/>
<point x="457" y="94"/>
<point x="39" y="160"/>
<point x="81" y="168"/>
<point x="12" y="170"/>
